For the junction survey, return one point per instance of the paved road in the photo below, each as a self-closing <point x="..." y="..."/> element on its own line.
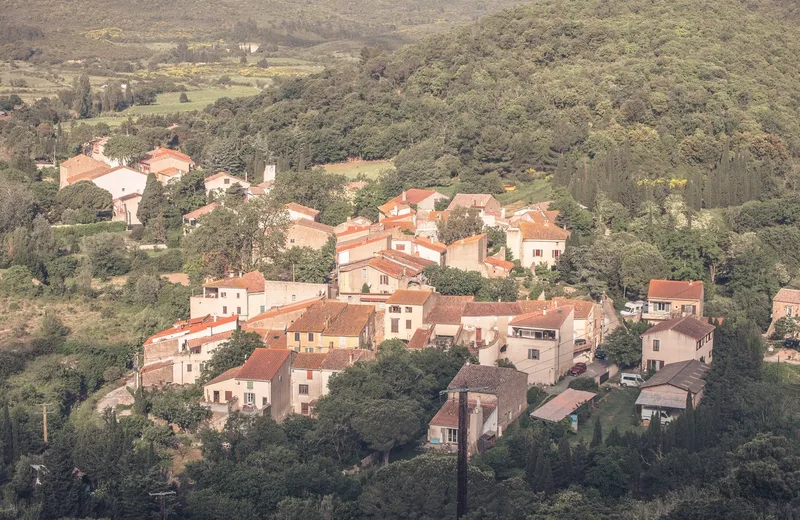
<point x="595" y="368"/>
<point x="610" y="316"/>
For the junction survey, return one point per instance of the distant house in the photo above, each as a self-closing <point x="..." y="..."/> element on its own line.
<point x="483" y="202"/>
<point x="497" y="266"/>
<point x="362" y="248"/>
<point x="80" y="165"/>
<point x="536" y="240"/>
<point x="468" y="254"/>
<point x="194" y="356"/>
<point x="563" y="405"/>
<point x="262" y="385"/>
<point x="404" y="204"/>
<point x="191" y="219"/>
<point x="668" y="299"/>
<point x="430" y="250"/>
<point x="171" y="164"/>
<point x="588" y="321"/>
<point x="405" y="313"/>
<point x="383" y="273"/>
<point x="221" y="182"/>
<point x="119" y="181"/>
<point x="126" y="209"/>
<point x="676" y="340"/>
<point x="667" y="390"/>
<point x="299" y="212"/>
<point x="328" y="325"/>
<point x="307" y="233"/>
<point x="785" y="304"/>
<point x="282" y="316"/>
<point x="501" y="399"/>
<point x="541" y="343"/>
<point x="311" y="374"/>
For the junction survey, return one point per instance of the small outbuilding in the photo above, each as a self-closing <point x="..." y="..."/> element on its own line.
<point x="666" y="392"/>
<point x="563" y="405"/>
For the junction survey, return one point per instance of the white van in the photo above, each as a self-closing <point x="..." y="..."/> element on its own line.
<point x="630" y="380"/>
<point x="649" y="413"/>
<point x="633" y="309"/>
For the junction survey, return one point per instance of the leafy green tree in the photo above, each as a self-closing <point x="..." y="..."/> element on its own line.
<point x="18" y="281"/>
<point x="126" y="148"/>
<point x="624" y="344"/>
<point x="183" y="98"/>
<point x="386" y="424"/>
<point x="153" y="201"/>
<point x="313" y="188"/>
<point x="107" y="253"/>
<point x="83" y="203"/>
<point x="453" y="282"/>
<point x="17" y="205"/>
<point x="462" y="223"/>
<point x="232" y="353"/>
<point x="82" y="96"/>
<point x="225" y="154"/>
<point x="640" y="262"/>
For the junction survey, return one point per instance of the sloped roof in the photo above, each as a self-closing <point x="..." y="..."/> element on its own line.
<point x="275" y="338"/>
<point x="562" y="405"/>
<point x="199" y="212"/>
<point x="308" y="361"/>
<point x="222" y="175"/>
<point x="688" y="326"/>
<point x="429" y="244"/>
<point x="198" y="342"/>
<point x="339" y="359"/>
<point x="356" y="242"/>
<point x="82" y="163"/>
<point x="582" y="307"/>
<point x="159" y="153"/>
<point x="263" y="364"/>
<point x="97" y="173"/>
<point x="470" y="200"/>
<point x="788" y="296"/>
<point x="409" y="297"/>
<point x="253" y="281"/>
<point x="541" y="230"/>
<point x="299" y="208"/>
<point x="310" y="224"/>
<point x="552" y="319"/>
<point x="686" y="375"/>
<point x="468" y="240"/>
<point x="277" y="311"/>
<point x="415" y="196"/>
<point x="448" y="310"/>
<point x="447" y="416"/>
<point x="317" y="317"/>
<point x="492" y="309"/>
<point x="485" y="376"/>
<point x="185" y="327"/>
<point x="420" y="338"/>
<point x="675" y="289"/>
<point x="412" y="262"/>
<point x="351" y="321"/>
<point x="503" y="264"/>
<point x="225" y="376"/>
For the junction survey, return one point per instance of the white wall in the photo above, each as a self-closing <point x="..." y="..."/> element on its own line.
<point x="121" y="182"/>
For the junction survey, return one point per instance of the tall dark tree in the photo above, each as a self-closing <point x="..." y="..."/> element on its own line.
<point x="597" y="433"/>
<point x="153" y="201"/>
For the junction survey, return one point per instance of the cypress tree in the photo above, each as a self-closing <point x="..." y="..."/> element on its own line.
<point x="62" y="492"/>
<point x="564" y="469"/>
<point x="15" y="444"/>
<point x="531" y="473"/>
<point x="580" y="461"/>
<point x="654" y="434"/>
<point x="614" y="438"/>
<point x="153" y="200"/>
<point x="597" y="435"/>
<point x="690" y="423"/>
<point x="545" y="481"/>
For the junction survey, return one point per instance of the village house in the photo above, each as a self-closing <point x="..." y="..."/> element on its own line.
<point x="588" y="322"/>
<point x="541" y="343"/>
<point x="221" y="182"/>
<point x="96" y="149"/>
<point x="485" y="328"/>
<point x="675" y="340"/>
<point x="190" y="219"/>
<point x="785" y="304"/>
<point x="250" y="294"/>
<point x="262" y="385"/>
<point x="80" y="165"/>
<point x="282" y="316"/>
<point x="497" y="266"/>
<point x="189" y="364"/>
<point x="427" y="223"/>
<point x="483" y="202"/>
<point x="299" y="212"/>
<point x="409" y="202"/>
<point x="311" y="374"/>
<point x="497" y="398"/>
<point x="405" y="313"/>
<point x="307" y="233"/>
<point x="430" y="250"/>
<point x="126" y="209"/>
<point x="362" y="248"/>
<point x="535" y="240"/>
<point x="468" y="254"/>
<point x="170" y="164"/>
<point x="384" y="273"/>
<point x="564" y="405"/>
<point x="329" y="325"/>
<point x="444" y="321"/>
<point x="119" y="181"/>
<point x="668" y="390"/>
<point x="668" y="299"/>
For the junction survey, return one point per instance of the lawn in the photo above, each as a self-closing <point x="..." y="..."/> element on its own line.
<point x="786" y="373"/>
<point x="536" y="191"/>
<point x="354" y="168"/>
<point x="616" y="408"/>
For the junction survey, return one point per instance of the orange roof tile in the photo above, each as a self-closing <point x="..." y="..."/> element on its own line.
<point x="159" y="153"/>
<point x="339" y="359"/>
<point x="308" y="361"/>
<point x="277" y="311"/>
<point x="414" y="196"/>
<point x="429" y="244"/>
<point x="787" y="296"/>
<point x="225" y="376"/>
<point x="552" y="319"/>
<point x="448" y="310"/>
<point x="222" y="175"/>
<point x="351" y="322"/>
<point x="263" y="364"/>
<point x="470" y="200"/>
<point x="275" y="338"/>
<point x="688" y="326"/>
<point x="420" y="338"/>
<point x="675" y="289"/>
<point x="253" y="281"/>
<point x="350" y="244"/>
<point x="310" y="224"/>
<point x="503" y="264"/>
<point x="468" y="240"/>
<point x="582" y="307"/>
<point x="541" y="230"/>
<point x="299" y="208"/>
<point x="317" y="317"/>
<point x="447" y="415"/>
<point x="409" y="297"/>
<point x="199" y="212"/>
<point x="191" y="326"/>
<point x="198" y="342"/>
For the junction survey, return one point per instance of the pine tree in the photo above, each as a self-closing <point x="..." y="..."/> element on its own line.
<point x="580" y="461"/>
<point x="531" y="466"/>
<point x="61" y="491"/>
<point x="654" y="435"/>
<point x="563" y="471"/>
<point x="545" y="480"/>
<point x="153" y="200"/>
<point x="614" y="438"/>
<point x="597" y="435"/>
<point x="16" y="449"/>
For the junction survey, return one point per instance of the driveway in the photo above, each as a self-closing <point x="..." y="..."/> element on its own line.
<point x="593" y="369"/>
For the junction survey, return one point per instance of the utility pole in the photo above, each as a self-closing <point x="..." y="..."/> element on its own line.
<point x="44" y="419"/>
<point x="162" y="500"/>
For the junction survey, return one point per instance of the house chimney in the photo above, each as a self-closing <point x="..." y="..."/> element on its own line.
<point x="405" y="197"/>
<point x="215" y="317"/>
<point x="502" y="212"/>
<point x="544" y="311"/>
<point x="477" y="402"/>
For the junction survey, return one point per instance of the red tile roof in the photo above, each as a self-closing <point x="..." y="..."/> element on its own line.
<point x="420" y="339"/>
<point x="496" y="262"/>
<point x="492" y="309"/>
<point x="582" y="307"/>
<point x="198" y="342"/>
<point x="302" y="222"/>
<point x="317" y="317"/>
<point x="675" y="290"/>
<point x="409" y="297"/>
<point x="351" y="322"/>
<point x="339" y="359"/>
<point x="83" y="163"/>
<point x="429" y="244"/>
<point x="688" y="326"/>
<point x="159" y="153"/>
<point x="447" y="416"/>
<point x="275" y="338"/>
<point x="263" y="364"/>
<point x="448" y="310"/>
<point x="468" y="240"/>
<point x="350" y="244"/>
<point x="542" y="230"/>
<point x="299" y="208"/>
<point x="787" y="296"/>
<point x="225" y="376"/>
<point x="308" y="361"/>
<point x="199" y="212"/>
<point x="183" y="328"/>
<point x="552" y="319"/>
<point x="277" y="311"/>
<point x="222" y="175"/>
<point x="470" y="200"/>
<point x="414" y="196"/>
<point x="253" y="281"/>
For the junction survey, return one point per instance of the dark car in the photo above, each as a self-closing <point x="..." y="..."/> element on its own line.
<point x="577" y="369"/>
<point x="600" y="354"/>
<point x="792" y="343"/>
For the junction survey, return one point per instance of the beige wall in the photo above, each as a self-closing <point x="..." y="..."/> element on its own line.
<point x="555" y="356"/>
<point x="782" y="310"/>
<point x="300" y="342"/>
<point x="675" y="347"/>
<point x="281" y="387"/>
<point x="122" y="182"/>
<point x="303" y="236"/>
<point x="155" y="352"/>
<point x="157" y="377"/>
<point x="676" y="309"/>
<point x="364" y="251"/>
<point x="233" y="301"/>
<point x="353" y="281"/>
<point x="219" y="186"/>
<point x="127" y="211"/>
<point x="468" y="257"/>
<point x="317" y="387"/>
<point x="548" y="249"/>
<point x="415" y="313"/>
<point x="168" y="162"/>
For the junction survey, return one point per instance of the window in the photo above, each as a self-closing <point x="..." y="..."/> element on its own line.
<point x="394" y="309"/>
<point x="409" y="309"/>
<point x="533" y="353"/>
<point x="789" y="310"/>
<point x="395" y="325"/>
<point x="451" y="435"/>
<point x="249" y="385"/>
<point x="363" y="274"/>
<point x="385" y="279"/>
<point x="224" y="309"/>
<point x="310" y="336"/>
<point x="309" y="374"/>
<point x="294" y="297"/>
<point x="537" y="334"/>
<point x="291" y="241"/>
<point x="656" y="345"/>
<point x="538" y="252"/>
<point x="297" y="336"/>
<point x="309" y="350"/>
<point x="202" y="367"/>
<point x="249" y="398"/>
<point x="123" y="190"/>
<point x="408" y="324"/>
<point x="399" y="247"/>
<point x="226" y="181"/>
<point x="304" y="408"/>
<point x="556" y="253"/>
<point x="238" y="295"/>
<point x="302" y="389"/>
<point x="262" y="308"/>
<point x="661" y="306"/>
<point x="238" y="310"/>
<point x="223" y="295"/>
<point x="188" y="367"/>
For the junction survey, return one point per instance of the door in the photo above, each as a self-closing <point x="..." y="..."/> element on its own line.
<point x="478" y="334"/>
<point x="216" y="396"/>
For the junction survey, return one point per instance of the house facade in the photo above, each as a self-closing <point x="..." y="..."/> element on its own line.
<point x="536" y="241"/>
<point x="220" y="182"/>
<point x="329" y="325"/>
<point x="307" y="233"/>
<point x="405" y="313"/>
<point x="669" y="299"/>
<point x="80" y="165"/>
<point x="785" y="304"/>
<point x="541" y="343"/>
<point x="163" y="159"/>
<point x="383" y="273"/>
<point x="299" y="212"/>
<point x="311" y="374"/>
<point x="468" y="254"/>
<point x="668" y="390"/>
<point x="676" y="340"/>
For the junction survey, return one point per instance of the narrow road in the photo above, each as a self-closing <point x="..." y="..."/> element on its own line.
<point x="610" y="317"/>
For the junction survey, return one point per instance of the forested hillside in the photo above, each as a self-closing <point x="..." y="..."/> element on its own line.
<point x="667" y="87"/>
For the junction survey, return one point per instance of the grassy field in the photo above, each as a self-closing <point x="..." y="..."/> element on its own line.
<point x="353" y="169"/>
<point x="614" y="409"/>
<point x="536" y="191"/>
<point x="786" y="373"/>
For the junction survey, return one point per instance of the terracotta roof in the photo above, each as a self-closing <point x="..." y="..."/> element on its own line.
<point x="317" y="317"/>
<point x="198" y="342"/>
<point x="470" y="200"/>
<point x="253" y="281"/>
<point x="302" y="222"/>
<point x="308" y="361"/>
<point x="552" y="319"/>
<point x="688" y="326"/>
<point x="339" y="359"/>
<point x="686" y="375"/>
<point x="503" y="264"/>
<point x="393" y="204"/>
<point x="559" y="407"/>
<point x="409" y="297"/>
<point x="447" y="415"/>
<point x="199" y="212"/>
<point x="277" y="311"/>
<point x="448" y="310"/>
<point x="420" y="339"/>
<point x="185" y="327"/>
<point x="163" y="152"/>
<point x="675" y="289"/>
<point x="130" y="196"/>
<point x="225" y="376"/>
<point x="429" y="244"/>
<point x="222" y="175"/>
<point x="257" y="190"/>
<point x="787" y="296"/>
<point x="412" y="262"/>
<point x="468" y="240"/>
<point x="299" y="208"/>
<point x="485" y="376"/>
<point x="492" y="309"/>
<point x="350" y="244"/>
<point x="392" y="269"/>
<point x="170" y="172"/>
<point x="414" y="196"/>
<point x="353" y="229"/>
<point x="351" y="321"/>
<point x="102" y="172"/>
<point x="275" y="338"/>
<point x="393" y="223"/>
<point x="582" y="307"/>
<point x="82" y="163"/>
<point x="541" y="230"/>
<point x="156" y="366"/>
<point x="263" y="364"/>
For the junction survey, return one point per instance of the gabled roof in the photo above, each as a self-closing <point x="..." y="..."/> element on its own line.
<point x="420" y="338"/>
<point x="492" y="309"/>
<point x="351" y="322"/>
<point x="675" y="290"/>
<point x="310" y="224"/>
<point x="552" y="319"/>
<point x="160" y="153"/>
<point x="468" y="240"/>
<point x="253" y="281"/>
<point x="393" y="204"/>
<point x="263" y="364"/>
<point x="470" y="200"/>
<point x="199" y="342"/>
<point x="687" y="375"/>
<point x="199" y="212"/>
<point x="339" y="359"/>
<point x="277" y="311"/>
<point x="409" y="297"/>
<point x="182" y="328"/>
<point x="169" y="172"/>
<point x="415" y="196"/>
<point x="299" y="208"/>
<point x="414" y="263"/>
<point x="559" y="407"/>
<point x="429" y="244"/>
<point x="392" y="269"/>
<point x="448" y="310"/>
<point x="788" y="296"/>
<point x="308" y="361"/>
<point x="582" y="307"/>
<point x="485" y="376"/>
<point x="99" y="172"/>
<point x="83" y="163"/>
<point x="541" y="230"/>
<point x="688" y="326"/>
<point x="447" y="416"/>
<point x="225" y="376"/>
<point x="350" y="244"/>
<point x="496" y="262"/>
<point x="275" y="338"/>
<point x="222" y="175"/>
<point x="317" y="317"/>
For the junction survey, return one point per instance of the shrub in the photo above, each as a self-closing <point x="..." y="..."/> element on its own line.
<point x="583" y="383"/>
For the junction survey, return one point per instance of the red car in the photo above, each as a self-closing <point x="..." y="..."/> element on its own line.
<point x="577" y="369"/>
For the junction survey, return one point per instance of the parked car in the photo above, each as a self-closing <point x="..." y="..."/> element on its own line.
<point x="788" y="343"/>
<point x="577" y="369"/>
<point x="626" y="379"/>
<point x="600" y="353"/>
<point x="580" y="342"/>
<point x="633" y="309"/>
